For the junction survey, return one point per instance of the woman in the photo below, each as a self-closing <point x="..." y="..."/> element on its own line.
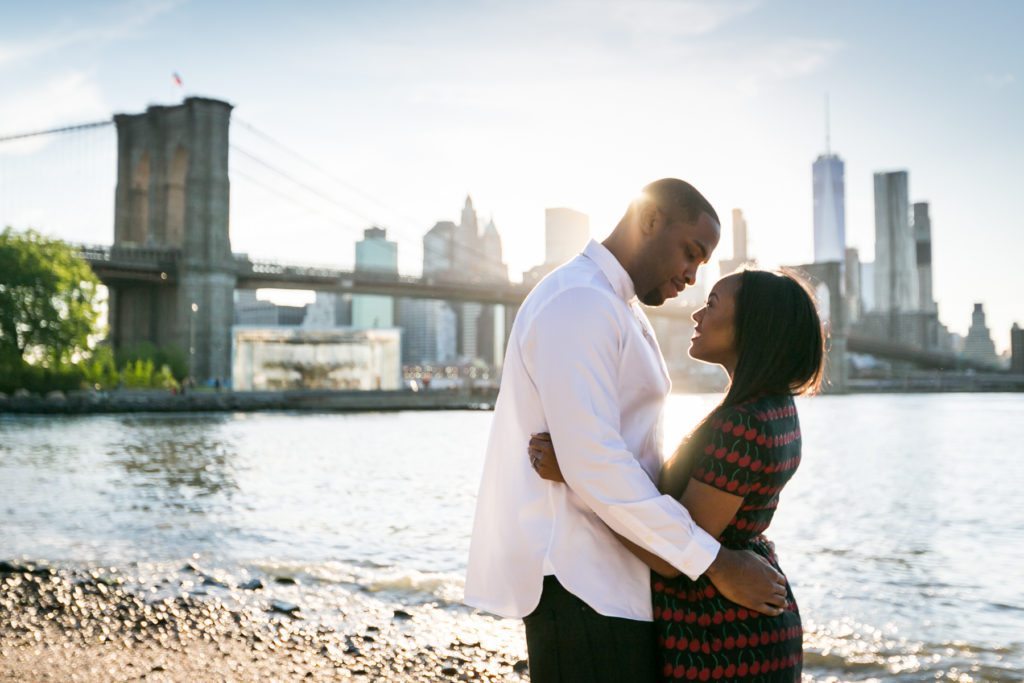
<point x="764" y="330"/>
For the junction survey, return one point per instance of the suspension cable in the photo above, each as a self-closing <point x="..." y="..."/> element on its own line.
<point x="51" y="131"/>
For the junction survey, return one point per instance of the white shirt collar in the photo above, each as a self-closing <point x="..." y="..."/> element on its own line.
<point x="620" y="280"/>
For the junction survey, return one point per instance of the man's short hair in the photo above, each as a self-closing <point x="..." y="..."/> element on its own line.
<point x="679" y="199"/>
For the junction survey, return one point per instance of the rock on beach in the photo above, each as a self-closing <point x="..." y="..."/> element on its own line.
<point x="74" y="624"/>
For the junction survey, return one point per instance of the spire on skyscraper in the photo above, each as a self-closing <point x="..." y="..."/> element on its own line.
<point x="828" y="129"/>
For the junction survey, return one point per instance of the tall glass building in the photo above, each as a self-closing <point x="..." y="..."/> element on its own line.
<point x="896" y="279"/>
<point x="829" y="209"/>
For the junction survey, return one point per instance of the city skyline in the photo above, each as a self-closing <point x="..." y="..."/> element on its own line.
<point x="419" y="107"/>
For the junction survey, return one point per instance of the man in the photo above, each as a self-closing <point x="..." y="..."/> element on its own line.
<point x="583" y="364"/>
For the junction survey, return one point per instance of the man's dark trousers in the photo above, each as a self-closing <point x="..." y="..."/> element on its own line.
<point x="568" y="641"/>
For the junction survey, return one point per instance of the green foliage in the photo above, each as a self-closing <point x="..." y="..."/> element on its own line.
<point x="48" y="301"/>
<point x="101" y="369"/>
<point x="38" y="379"/>
<point x="48" y="313"/>
<point x="139" y="373"/>
<point x="172" y="357"/>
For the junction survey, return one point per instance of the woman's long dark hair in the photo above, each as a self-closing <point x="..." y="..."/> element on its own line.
<point x="780" y="348"/>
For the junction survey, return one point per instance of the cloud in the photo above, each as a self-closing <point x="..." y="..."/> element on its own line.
<point x="648" y="19"/>
<point x="783" y="61"/>
<point x="21" y="52"/>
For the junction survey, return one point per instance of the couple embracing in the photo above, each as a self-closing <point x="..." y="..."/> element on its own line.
<point x="626" y="565"/>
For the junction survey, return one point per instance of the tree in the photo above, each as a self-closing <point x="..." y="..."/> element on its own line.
<point x="48" y="301"/>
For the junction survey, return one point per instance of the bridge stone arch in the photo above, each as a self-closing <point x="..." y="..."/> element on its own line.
<point x="177" y="176"/>
<point x="827" y="283"/>
<point x="173" y="195"/>
<point x="137" y="228"/>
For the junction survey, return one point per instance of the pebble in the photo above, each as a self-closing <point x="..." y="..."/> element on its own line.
<point x="92" y="620"/>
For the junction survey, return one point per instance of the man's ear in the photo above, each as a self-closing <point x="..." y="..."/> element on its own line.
<point x="651" y="218"/>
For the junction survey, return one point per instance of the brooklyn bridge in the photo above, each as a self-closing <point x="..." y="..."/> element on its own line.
<point x="171" y="272"/>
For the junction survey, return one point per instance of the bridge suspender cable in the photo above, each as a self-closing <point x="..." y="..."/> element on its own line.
<point x="312" y="164"/>
<point x="324" y="196"/>
<point x="413" y="223"/>
<point x="308" y="188"/>
<point x="51" y="131"/>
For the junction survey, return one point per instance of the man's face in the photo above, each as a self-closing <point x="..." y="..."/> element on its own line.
<point x="671" y="255"/>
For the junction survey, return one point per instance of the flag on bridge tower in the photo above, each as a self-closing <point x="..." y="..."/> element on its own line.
<point x="177" y="79"/>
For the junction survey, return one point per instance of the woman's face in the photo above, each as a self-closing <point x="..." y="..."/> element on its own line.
<point x="714" y="339"/>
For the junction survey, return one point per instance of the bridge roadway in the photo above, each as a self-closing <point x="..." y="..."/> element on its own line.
<point x="890" y="350"/>
<point x="114" y="264"/>
<point x="120" y="264"/>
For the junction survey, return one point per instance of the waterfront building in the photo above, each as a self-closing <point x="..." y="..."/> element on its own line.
<point x="978" y="344"/>
<point x="430" y="326"/>
<point x="923" y="243"/>
<point x="250" y="310"/>
<point x="1017" y="349"/>
<point x="280" y="358"/>
<point x="322" y="313"/>
<point x="375" y="253"/>
<point x="428" y="331"/>
<point x="896" y="280"/>
<point x="739" y="245"/>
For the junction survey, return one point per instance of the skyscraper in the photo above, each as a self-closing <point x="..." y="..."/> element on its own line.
<point x="429" y="326"/>
<point x="439" y="249"/>
<point x="494" y="267"/>
<point x="428" y="331"/>
<point x="437" y="331"/>
<point x="376" y="253"/>
<point x="739" y="244"/>
<point x="896" y="281"/>
<point x="867" y="287"/>
<point x="829" y="209"/>
<point x="923" y="241"/>
<point x="566" y="232"/>
<point x="978" y="344"/>
<point x="852" y="282"/>
<point x="1017" y="349"/>
<point x="829" y="202"/>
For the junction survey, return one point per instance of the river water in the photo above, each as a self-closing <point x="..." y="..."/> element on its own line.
<point x="902" y="533"/>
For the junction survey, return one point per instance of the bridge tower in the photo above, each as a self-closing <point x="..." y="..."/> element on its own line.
<point x="827" y="281"/>
<point x="173" y="195"/>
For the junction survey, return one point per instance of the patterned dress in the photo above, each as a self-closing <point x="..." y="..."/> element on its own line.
<point x="749" y="450"/>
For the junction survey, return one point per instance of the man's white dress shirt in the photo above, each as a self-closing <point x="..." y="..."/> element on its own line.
<point x="583" y="364"/>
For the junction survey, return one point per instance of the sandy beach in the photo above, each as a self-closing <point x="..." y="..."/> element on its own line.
<point x="65" y="624"/>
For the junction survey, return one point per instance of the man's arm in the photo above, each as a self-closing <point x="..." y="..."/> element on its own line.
<point x="743" y="577"/>
<point x="572" y="351"/>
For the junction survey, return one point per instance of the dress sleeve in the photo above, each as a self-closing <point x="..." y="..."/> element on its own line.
<point x="732" y="458"/>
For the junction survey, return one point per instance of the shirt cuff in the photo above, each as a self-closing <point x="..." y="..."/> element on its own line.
<point x="665" y="528"/>
<point x="697" y="556"/>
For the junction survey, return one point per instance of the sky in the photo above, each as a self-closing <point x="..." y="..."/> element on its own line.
<point x="392" y="112"/>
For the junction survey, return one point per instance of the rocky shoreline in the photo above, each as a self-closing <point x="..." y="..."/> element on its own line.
<point x="74" y="624"/>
